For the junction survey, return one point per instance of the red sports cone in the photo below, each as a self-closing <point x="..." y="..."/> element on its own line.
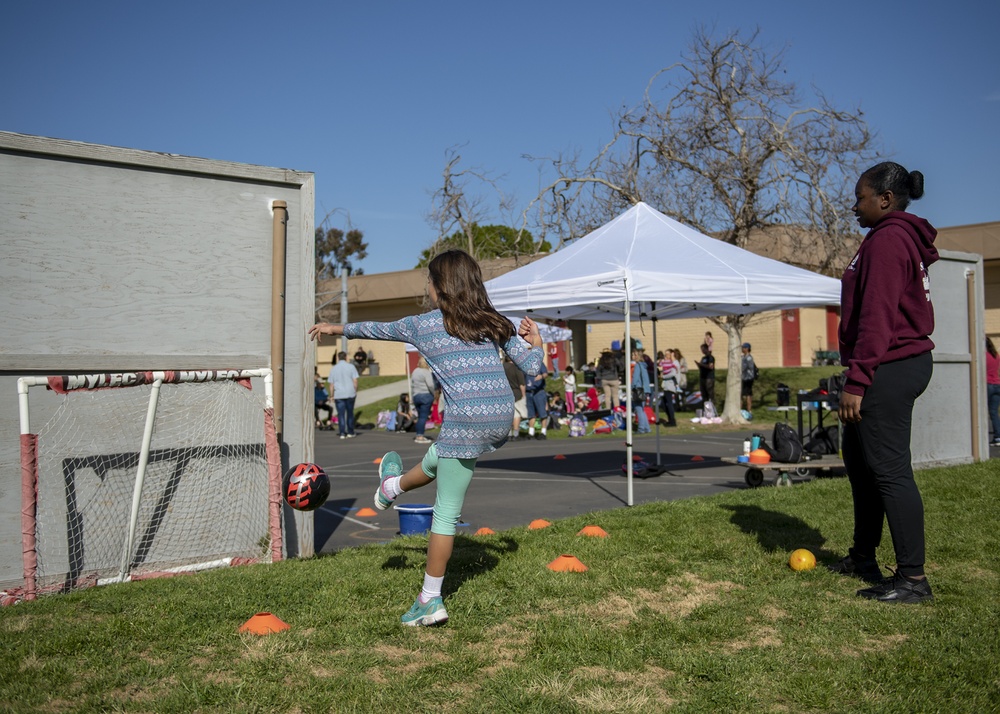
<point x="559" y="457"/>
<point x="697" y="458"/>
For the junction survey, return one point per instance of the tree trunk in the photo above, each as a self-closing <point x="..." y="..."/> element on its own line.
<point x="733" y="327"/>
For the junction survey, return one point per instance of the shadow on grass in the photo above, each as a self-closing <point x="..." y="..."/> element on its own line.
<point x="779" y="532"/>
<point x="470" y="558"/>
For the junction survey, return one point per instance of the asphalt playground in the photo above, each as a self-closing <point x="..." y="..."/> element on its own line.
<point x="523" y="481"/>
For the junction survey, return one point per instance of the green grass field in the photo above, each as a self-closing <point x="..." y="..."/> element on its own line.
<point x="687" y="606"/>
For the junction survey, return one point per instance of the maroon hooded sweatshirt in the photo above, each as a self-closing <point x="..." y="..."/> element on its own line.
<point x="885" y="298"/>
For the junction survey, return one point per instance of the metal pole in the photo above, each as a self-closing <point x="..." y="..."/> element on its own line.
<point x="343" y="306"/>
<point x="656" y="393"/>
<point x="140" y="477"/>
<point x="628" y="398"/>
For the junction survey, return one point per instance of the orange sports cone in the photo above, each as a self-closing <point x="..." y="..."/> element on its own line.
<point x="559" y="456"/>
<point x="484" y="531"/>
<point x="567" y="564"/>
<point x="378" y="460"/>
<point x="367" y="512"/>
<point x="697" y="458"/>
<point x="538" y="523"/>
<point x="594" y="531"/>
<point x="636" y="457"/>
<point x="263" y="623"/>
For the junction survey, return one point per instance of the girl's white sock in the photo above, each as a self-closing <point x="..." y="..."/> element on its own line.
<point x="391" y="486"/>
<point x="431" y="589"/>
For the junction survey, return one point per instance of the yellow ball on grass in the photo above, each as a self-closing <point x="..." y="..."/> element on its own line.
<point x="802" y="559"/>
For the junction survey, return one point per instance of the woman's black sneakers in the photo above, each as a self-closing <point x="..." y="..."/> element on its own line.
<point x="867" y="570"/>
<point x="899" y="588"/>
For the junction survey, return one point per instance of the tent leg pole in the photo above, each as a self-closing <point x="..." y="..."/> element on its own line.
<point x="656" y="401"/>
<point x="627" y="347"/>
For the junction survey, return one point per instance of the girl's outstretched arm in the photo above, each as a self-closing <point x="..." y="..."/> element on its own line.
<point x="317" y="331"/>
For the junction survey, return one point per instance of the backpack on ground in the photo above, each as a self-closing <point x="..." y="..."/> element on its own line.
<point x="577" y="425"/>
<point x="787" y="446"/>
<point x="824" y="441"/>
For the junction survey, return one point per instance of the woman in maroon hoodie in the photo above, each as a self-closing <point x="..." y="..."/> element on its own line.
<point x="886" y="320"/>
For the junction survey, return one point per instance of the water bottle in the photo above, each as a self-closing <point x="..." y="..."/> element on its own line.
<point x="746" y="447"/>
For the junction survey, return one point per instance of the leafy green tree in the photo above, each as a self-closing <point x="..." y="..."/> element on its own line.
<point x="491" y="241"/>
<point x="337" y="254"/>
<point x="337" y="251"/>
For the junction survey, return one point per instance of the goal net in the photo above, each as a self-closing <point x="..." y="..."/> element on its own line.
<point x="140" y="474"/>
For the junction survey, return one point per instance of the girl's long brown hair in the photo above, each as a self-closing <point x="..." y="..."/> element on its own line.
<point x="468" y="313"/>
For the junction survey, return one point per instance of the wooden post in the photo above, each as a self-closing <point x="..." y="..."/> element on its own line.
<point x="279" y="230"/>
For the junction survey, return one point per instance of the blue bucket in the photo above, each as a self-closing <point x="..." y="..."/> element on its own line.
<point x="414" y="518"/>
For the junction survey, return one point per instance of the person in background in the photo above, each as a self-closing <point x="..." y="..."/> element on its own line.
<point x="515" y="378"/>
<point x="344" y="383"/>
<point x="552" y="349"/>
<point x="556" y="409"/>
<point x="569" y="387"/>
<point x="748" y="373"/>
<point x="668" y="383"/>
<point x="537" y="398"/>
<point x="360" y="359"/>
<point x="706" y="375"/>
<point x="404" y="413"/>
<point x="590" y="401"/>
<point x="321" y="399"/>
<point x="650" y="366"/>
<point x="682" y="375"/>
<point x="425" y="394"/>
<point x="708" y="341"/>
<point x="993" y="389"/>
<point x="607" y="374"/>
<point x="462" y="339"/>
<point x="641" y="389"/>
<point x="886" y="321"/>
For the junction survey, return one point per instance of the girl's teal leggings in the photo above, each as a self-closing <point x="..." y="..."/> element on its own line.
<point x="453" y="477"/>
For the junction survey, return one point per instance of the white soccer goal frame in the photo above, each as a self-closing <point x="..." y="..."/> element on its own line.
<point x="155" y="380"/>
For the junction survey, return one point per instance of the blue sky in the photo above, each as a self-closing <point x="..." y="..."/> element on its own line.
<point x="370" y="96"/>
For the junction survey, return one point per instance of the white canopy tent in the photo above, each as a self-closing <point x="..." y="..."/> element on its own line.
<point x="647" y="261"/>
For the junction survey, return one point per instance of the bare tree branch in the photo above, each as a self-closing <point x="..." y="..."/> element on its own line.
<point x="721" y="141"/>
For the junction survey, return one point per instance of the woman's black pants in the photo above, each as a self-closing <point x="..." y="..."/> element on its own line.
<point x="878" y="461"/>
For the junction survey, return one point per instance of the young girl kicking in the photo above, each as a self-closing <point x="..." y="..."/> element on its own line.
<point x="460" y="340"/>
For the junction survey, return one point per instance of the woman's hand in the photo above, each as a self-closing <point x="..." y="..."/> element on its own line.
<point x="850" y="408"/>
<point x="529" y="331"/>
<point x="317" y="331"/>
